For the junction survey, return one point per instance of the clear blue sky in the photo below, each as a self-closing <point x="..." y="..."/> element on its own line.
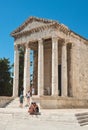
<point x="73" y="13"/>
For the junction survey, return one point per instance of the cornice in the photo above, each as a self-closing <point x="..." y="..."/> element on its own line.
<point x="61" y="27"/>
<point x="36" y="29"/>
<point x="29" y="20"/>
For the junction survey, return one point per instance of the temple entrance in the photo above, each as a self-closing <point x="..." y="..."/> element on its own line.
<point x="59" y="80"/>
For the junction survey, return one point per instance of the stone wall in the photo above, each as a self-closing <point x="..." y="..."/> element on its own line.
<point x="5" y="100"/>
<point x="83" y="70"/>
<point x="50" y="102"/>
<point x="79" y="70"/>
<point x="75" y="70"/>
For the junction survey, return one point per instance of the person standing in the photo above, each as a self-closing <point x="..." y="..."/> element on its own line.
<point x="33" y="90"/>
<point x="28" y="95"/>
<point x="21" y="99"/>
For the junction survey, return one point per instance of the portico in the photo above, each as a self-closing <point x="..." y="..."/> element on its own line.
<point x="55" y="50"/>
<point x="54" y="69"/>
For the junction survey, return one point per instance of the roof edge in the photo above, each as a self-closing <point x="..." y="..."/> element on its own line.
<point x="31" y="19"/>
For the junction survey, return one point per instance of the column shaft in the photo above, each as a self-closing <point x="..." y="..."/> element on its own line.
<point x="40" y="68"/>
<point x="54" y="66"/>
<point x="26" y="70"/>
<point x="64" y="71"/>
<point x="16" y="72"/>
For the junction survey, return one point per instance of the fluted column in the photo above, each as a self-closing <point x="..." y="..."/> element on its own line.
<point x="40" y="68"/>
<point x="64" y="71"/>
<point x="16" y="71"/>
<point x="54" y="66"/>
<point x="26" y="70"/>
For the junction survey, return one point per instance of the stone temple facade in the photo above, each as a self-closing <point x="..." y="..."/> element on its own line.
<point x="60" y="63"/>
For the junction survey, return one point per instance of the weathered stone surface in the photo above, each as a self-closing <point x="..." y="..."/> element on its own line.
<point x="60" y="62"/>
<point x="55" y="102"/>
<point x="5" y="100"/>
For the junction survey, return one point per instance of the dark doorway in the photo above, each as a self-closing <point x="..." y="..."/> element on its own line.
<point x="59" y="79"/>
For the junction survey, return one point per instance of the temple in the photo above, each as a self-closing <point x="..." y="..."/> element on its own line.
<point x="60" y="63"/>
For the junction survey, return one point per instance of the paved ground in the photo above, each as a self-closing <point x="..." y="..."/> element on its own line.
<point x="34" y="124"/>
<point x="19" y="119"/>
<point x="14" y="118"/>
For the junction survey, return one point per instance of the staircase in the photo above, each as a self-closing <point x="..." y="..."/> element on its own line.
<point x="66" y="116"/>
<point x="16" y="103"/>
<point x="82" y="118"/>
<point x="54" y="116"/>
<point x="15" y="111"/>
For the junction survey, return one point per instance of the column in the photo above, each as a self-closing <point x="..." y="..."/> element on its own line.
<point x="26" y="70"/>
<point x="54" y="66"/>
<point x="64" y="71"/>
<point x="35" y="76"/>
<point x="40" y="68"/>
<point x="16" y="71"/>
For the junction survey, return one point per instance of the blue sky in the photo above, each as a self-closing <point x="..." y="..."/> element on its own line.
<point x="72" y="13"/>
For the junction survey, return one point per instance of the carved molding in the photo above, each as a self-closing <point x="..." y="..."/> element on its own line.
<point x="51" y="24"/>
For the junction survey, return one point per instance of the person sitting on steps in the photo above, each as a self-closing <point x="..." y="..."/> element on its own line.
<point x="33" y="109"/>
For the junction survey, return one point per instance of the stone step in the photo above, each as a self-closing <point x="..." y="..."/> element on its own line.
<point x="81" y="114"/>
<point x="15" y="103"/>
<point x="4" y="101"/>
<point x="82" y="118"/>
<point x="44" y="116"/>
<point x="61" y="115"/>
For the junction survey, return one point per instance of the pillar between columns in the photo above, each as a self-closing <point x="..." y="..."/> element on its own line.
<point x="64" y="71"/>
<point x="26" y="70"/>
<point x="40" y="67"/>
<point x="55" y="66"/>
<point x="16" y="71"/>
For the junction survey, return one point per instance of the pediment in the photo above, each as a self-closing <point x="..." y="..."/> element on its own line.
<point x="32" y="23"/>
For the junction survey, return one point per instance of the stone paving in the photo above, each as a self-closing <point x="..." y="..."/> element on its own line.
<point x="15" y="118"/>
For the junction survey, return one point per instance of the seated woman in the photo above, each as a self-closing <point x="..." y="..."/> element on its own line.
<point x="33" y="109"/>
<point x="36" y="108"/>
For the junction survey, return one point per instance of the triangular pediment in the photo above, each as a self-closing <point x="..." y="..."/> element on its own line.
<point x="32" y="23"/>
